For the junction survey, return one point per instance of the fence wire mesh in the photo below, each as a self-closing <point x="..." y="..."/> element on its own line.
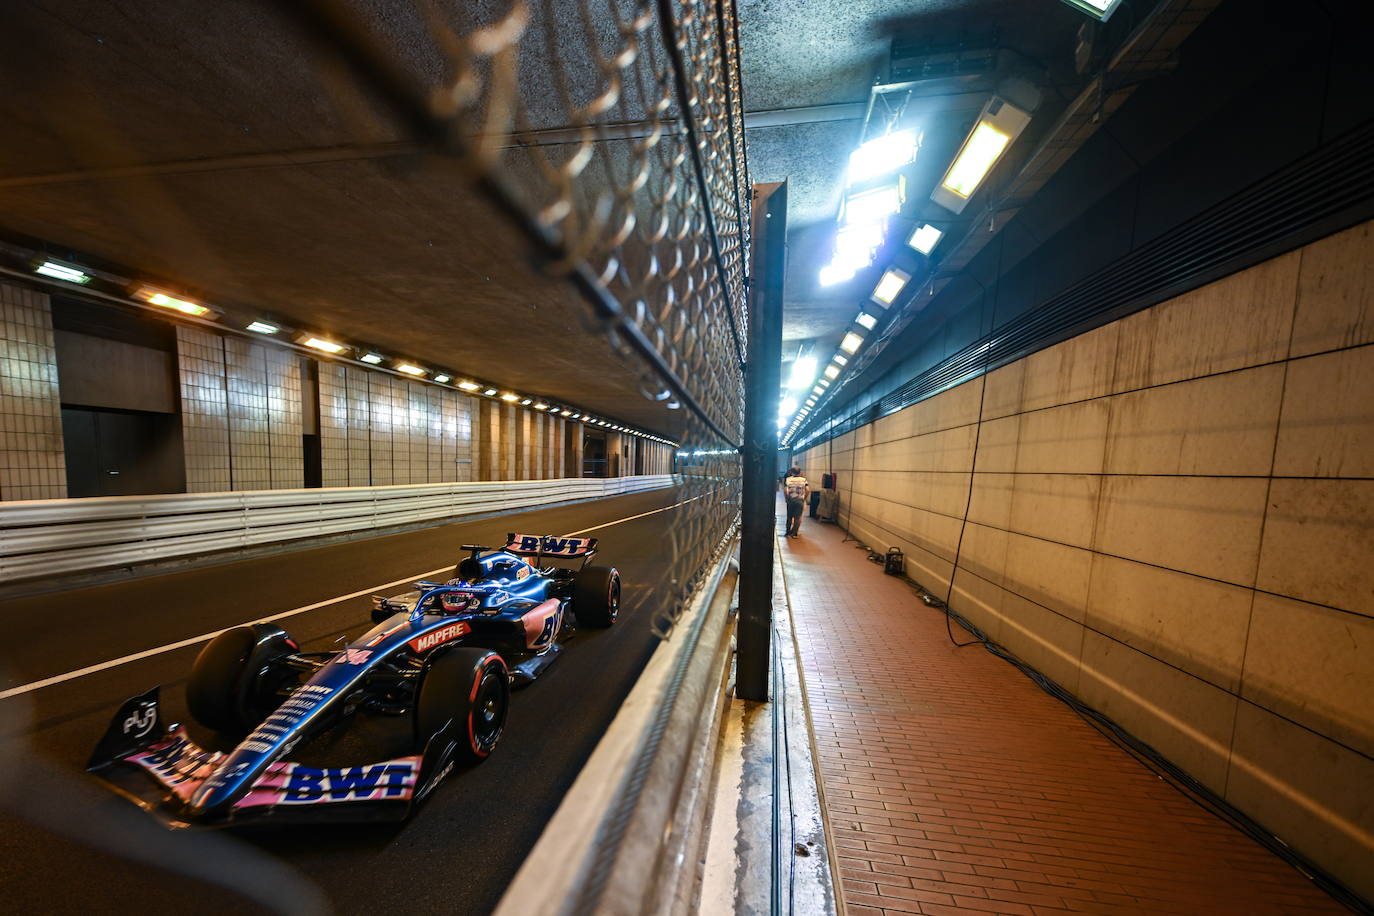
<point x="610" y="134"/>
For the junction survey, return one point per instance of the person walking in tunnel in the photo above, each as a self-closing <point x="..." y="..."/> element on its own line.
<point x="795" y="489"/>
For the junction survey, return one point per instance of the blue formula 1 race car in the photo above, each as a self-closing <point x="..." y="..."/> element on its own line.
<point x="442" y="658"/>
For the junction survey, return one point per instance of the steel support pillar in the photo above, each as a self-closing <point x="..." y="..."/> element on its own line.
<point x="762" y="383"/>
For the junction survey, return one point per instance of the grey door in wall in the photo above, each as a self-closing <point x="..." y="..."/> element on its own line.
<point x="122" y="452"/>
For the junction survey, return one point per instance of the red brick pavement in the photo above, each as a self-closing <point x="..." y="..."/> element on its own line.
<point x="954" y="785"/>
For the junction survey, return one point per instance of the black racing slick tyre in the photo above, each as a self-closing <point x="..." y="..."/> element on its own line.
<point x="233" y="685"/>
<point x="462" y="706"/>
<point x="596" y="596"/>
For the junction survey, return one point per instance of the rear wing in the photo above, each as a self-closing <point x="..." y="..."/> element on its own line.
<point x="549" y="545"/>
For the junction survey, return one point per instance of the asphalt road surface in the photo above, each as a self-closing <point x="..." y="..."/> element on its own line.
<point x="68" y="845"/>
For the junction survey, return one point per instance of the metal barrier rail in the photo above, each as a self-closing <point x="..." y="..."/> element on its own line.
<point x="626" y="838"/>
<point x="51" y="537"/>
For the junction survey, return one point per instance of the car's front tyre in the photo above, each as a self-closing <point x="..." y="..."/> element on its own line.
<point x="462" y="705"/>
<point x="233" y="685"/>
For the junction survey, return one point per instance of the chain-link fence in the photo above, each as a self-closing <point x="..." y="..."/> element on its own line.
<point x="610" y="134"/>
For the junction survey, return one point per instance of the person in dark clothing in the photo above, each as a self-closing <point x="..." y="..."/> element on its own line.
<point x="795" y="489"/>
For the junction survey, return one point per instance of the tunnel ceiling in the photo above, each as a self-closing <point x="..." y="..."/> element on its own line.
<point x="208" y="145"/>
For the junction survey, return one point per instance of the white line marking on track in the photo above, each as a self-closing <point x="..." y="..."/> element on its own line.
<point x="206" y="637"/>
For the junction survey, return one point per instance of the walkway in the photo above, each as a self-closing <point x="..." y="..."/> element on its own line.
<point x="955" y="785"/>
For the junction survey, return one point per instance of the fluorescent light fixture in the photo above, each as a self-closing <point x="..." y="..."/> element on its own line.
<point x="803" y="371"/>
<point x="868" y="207"/>
<point x="881" y="155"/>
<point x="62" y="272"/>
<point x="442" y="377"/>
<point x="408" y="369"/>
<point x="526" y="402"/>
<point x="1097" y="9"/>
<point x="263" y="327"/>
<point x="889" y="285"/>
<point x="851" y="342"/>
<point x="819" y="389"/>
<point x="163" y="300"/>
<point x="565" y="413"/>
<point x="825" y="382"/>
<point x="999" y="124"/>
<point x="490" y="392"/>
<point x="372" y="358"/>
<point x="830" y="372"/>
<point x="541" y="406"/>
<point x="319" y="343"/>
<point x="866" y="320"/>
<point x="510" y="398"/>
<point x="925" y="238"/>
<point x="468" y="386"/>
<point x="840" y="360"/>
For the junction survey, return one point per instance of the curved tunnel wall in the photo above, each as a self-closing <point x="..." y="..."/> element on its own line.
<point x="1172" y="516"/>
<point x="247" y="410"/>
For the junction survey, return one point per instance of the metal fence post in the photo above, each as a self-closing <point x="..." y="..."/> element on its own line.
<point x="761" y="387"/>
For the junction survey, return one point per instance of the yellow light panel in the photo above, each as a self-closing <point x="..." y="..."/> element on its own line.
<point x="981" y="151"/>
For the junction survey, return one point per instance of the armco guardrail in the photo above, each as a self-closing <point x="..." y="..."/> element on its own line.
<point x="54" y="537"/>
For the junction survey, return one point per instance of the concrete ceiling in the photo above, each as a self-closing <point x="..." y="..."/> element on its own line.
<point x="207" y="144"/>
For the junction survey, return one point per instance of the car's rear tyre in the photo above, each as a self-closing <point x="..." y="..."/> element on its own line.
<point x="462" y="706"/>
<point x="596" y="596"/>
<point x="233" y="685"/>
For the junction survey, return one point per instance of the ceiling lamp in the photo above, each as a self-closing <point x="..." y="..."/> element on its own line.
<point x="850" y="343"/>
<point x="62" y="272"/>
<point x="839" y="359"/>
<point x="818" y="390"/>
<point x="372" y="359"/>
<point x="490" y="392"/>
<point x="889" y="285"/>
<point x="1097" y="9"/>
<point x="510" y="398"/>
<point x="825" y="382"/>
<point x="441" y="378"/>
<point x="854" y="249"/>
<point x="526" y="402"/>
<point x="866" y="320"/>
<point x="408" y="369"/>
<point x="830" y="372"/>
<point x="881" y="155"/>
<point x="163" y="300"/>
<point x="541" y="406"/>
<point x="803" y="371"/>
<point x="925" y="238"/>
<point x="999" y="124"/>
<point x="868" y="207"/>
<point x="263" y="327"/>
<point x="468" y="386"/>
<point x="319" y="343"/>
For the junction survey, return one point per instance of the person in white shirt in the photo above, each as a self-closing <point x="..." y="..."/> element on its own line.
<point x="795" y="489"/>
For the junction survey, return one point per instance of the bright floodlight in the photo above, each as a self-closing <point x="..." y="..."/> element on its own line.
<point x="161" y="299"/>
<point x="818" y="390"/>
<point x="62" y="272"/>
<point x="469" y="386"/>
<point x="325" y="346"/>
<point x="873" y="206"/>
<point x="835" y="273"/>
<point x="787" y="407"/>
<point x="526" y="402"/>
<point x="510" y="398"/>
<point x="803" y="372"/>
<point x="866" y="320"/>
<point x="984" y="147"/>
<point x="442" y="377"/>
<point x="999" y="124"/>
<point x="263" y="327"/>
<point x="1098" y="9"/>
<point x="881" y="155"/>
<point x="925" y="238"/>
<point x="408" y="369"/>
<point x="840" y="360"/>
<point x="831" y="372"/>
<point x="890" y="285"/>
<point x="490" y="392"/>
<point x="375" y="358"/>
<point x="851" y="342"/>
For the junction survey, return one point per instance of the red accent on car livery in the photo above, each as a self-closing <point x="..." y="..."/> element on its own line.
<point x="427" y="641"/>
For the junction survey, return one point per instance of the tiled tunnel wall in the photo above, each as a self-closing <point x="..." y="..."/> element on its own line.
<point x="243" y="419"/>
<point x="1172" y="516"/>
